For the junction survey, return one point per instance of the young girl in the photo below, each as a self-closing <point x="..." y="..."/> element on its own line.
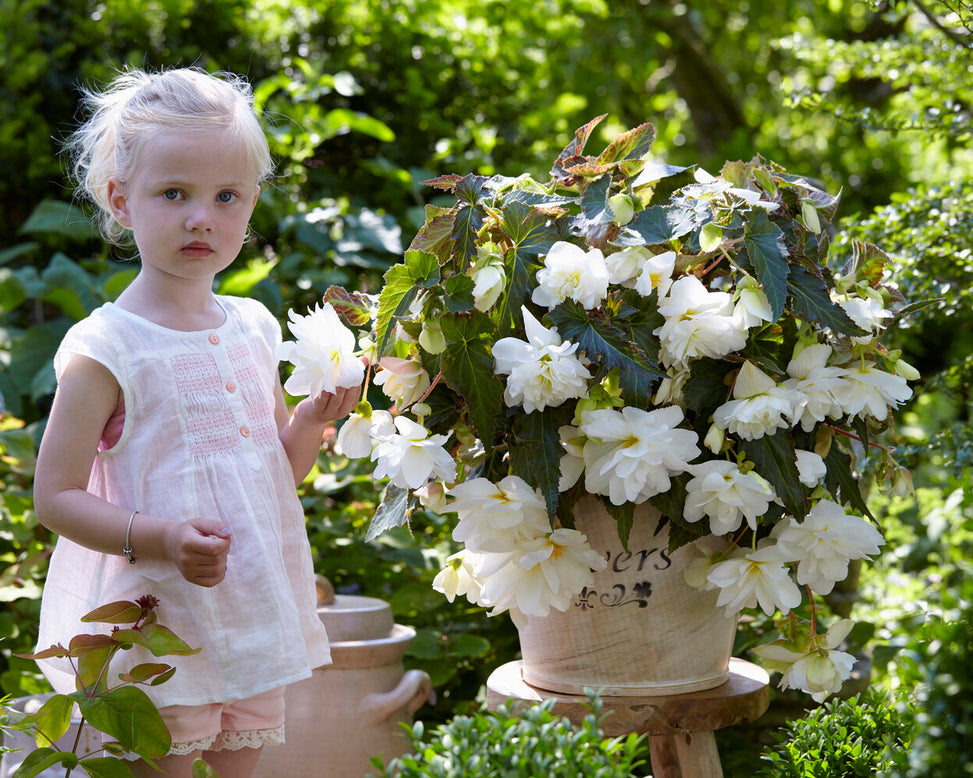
<point x="169" y="463"/>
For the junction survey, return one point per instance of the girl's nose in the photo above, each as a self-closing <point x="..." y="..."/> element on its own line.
<point x="200" y="217"/>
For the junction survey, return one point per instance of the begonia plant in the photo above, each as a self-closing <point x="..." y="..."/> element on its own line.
<point x="640" y="332"/>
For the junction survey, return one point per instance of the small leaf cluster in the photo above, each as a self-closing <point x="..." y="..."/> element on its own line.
<point x="528" y="742"/>
<point x="863" y="736"/>
<point x="121" y="711"/>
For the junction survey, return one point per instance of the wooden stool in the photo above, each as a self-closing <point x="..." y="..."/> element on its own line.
<point x="680" y="726"/>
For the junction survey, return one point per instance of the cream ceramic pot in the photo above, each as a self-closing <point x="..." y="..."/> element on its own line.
<point x="350" y="711"/>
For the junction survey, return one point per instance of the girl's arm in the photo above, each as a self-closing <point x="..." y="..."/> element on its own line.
<point x="301" y="431"/>
<point x="86" y="397"/>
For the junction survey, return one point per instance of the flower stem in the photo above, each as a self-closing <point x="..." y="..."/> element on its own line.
<point x="853" y="436"/>
<point x="432" y="385"/>
<point x="814" y="612"/>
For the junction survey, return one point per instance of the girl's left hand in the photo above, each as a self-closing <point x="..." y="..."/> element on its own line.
<point x="329" y="406"/>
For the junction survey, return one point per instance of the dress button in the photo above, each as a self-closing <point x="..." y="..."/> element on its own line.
<point x="245" y="431"/>
<point x="230" y="387"/>
<point x="214" y="339"/>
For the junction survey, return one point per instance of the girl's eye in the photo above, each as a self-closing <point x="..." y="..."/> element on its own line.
<point x="171" y="194"/>
<point x="226" y="197"/>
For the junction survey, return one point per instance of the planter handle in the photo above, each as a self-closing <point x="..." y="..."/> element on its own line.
<point x="413" y="690"/>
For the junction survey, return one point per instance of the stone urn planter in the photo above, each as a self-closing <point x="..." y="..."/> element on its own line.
<point x="350" y="711"/>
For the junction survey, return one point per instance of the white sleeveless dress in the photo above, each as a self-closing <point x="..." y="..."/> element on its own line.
<point x="198" y="440"/>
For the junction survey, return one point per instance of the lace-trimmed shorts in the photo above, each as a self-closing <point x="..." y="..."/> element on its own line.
<point x="250" y="723"/>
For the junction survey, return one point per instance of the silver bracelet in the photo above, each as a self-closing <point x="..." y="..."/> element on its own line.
<point x="128" y="538"/>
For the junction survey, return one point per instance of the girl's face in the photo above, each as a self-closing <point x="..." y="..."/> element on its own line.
<point x="188" y="204"/>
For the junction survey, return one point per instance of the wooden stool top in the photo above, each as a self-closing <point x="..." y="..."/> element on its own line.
<point x="744" y="697"/>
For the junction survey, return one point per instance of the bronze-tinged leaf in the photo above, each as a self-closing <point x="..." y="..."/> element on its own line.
<point x="121" y="612"/>
<point x="143" y="672"/>
<point x="57" y="651"/>
<point x="354" y="308"/>
<point x="633" y="144"/>
<point x="869" y="262"/>
<point x="446" y="182"/>
<point x="590" y="169"/>
<point x="82" y="644"/>
<point x="435" y="235"/>
<point x="574" y="150"/>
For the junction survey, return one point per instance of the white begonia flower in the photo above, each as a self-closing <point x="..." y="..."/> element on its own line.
<point x="810" y="468"/>
<point x="488" y="283"/>
<point x="542" y="370"/>
<point x="867" y="313"/>
<point x="752" y="306"/>
<point x="870" y="391"/>
<point x="496" y="517"/>
<point x="570" y="272"/>
<point x="818" y="671"/>
<point x="759" y="406"/>
<point x="431" y="337"/>
<point x="698" y="323"/>
<point x="432" y="497"/>
<point x="625" y="266"/>
<point x="907" y="371"/>
<point x="542" y="573"/>
<point x="670" y="388"/>
<point x="460" y="577"/>
<point x="703" y="551"/>
<point x="656" y="274"/>
<point x="402" y="380"/>
<point x="752" y="198"/>
<point x="820" y="384"/>
<point x="726" y="495"/>
<point x="747" y="195"/>
<point x="715" y="439"/>
<point x="630" y="454"/>
<point x="824" y="542"/>
<point x="323" y="355"/>
<point x="358" y="433"/>
<point x="622" y="207"/>
<point x="410" y="456"/>
<point x="572" y="462"/>
<point x="751" y="578"/>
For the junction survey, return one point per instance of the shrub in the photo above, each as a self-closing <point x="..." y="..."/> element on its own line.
<point x="866" y="735"/>
<point x="524" y="742"/>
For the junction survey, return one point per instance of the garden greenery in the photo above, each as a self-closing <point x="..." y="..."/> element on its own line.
<point x="525" y="741"/>
<point x="459" y="85"/>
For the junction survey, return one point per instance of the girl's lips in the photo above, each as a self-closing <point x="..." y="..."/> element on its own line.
<point x="197" y="249"/>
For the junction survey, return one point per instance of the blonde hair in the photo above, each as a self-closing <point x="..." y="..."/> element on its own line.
<point x="137" y="105"/>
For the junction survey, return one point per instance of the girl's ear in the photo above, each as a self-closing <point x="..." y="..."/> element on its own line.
<point x="256" y="194"/>
<point x="118" y="202"/>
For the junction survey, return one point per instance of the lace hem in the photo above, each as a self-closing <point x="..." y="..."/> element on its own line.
<point x="225" y="741"/>
<point x="231" y="741"/>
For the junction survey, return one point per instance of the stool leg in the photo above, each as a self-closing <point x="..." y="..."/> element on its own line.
<point x="665" y="761"/>
<point x="698" y="756"/>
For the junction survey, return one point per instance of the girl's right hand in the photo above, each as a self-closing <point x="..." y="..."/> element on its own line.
<point x="198" y="548"/>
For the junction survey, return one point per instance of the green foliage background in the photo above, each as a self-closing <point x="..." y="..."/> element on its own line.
<point x="364" y="101"/>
